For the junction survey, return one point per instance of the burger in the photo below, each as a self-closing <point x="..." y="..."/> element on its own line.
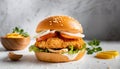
<point x="59" y="39"/>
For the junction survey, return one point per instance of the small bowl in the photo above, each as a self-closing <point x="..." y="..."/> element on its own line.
<point x="15" y="43"/>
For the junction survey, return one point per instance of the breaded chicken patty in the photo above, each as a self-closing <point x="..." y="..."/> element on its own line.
<point x="56" y="42"/>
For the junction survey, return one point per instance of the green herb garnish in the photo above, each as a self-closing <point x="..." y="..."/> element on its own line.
<point x="93" y="46"/>
<point x="20" y="31"/>
<point x="94" y="43"/>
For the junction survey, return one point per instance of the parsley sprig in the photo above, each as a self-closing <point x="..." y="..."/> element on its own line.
<point x="93" y="46"/>
<point x="20" y="31"/>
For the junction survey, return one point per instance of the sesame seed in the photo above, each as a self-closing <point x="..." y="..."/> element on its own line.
<point x="57" y="22"/>
<point x="50" y="23"/>
<point x="60" y="18"/>
<point x="54" y="21"/>
<point x="60" y="21"/>
<point x="61" y="24"/>
<point x="55" y="18"/>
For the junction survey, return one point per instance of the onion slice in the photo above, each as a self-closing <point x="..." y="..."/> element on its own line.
<point x="42" y="33"/>
<point x="45" y="32"/>
<point x="72" y="34"/>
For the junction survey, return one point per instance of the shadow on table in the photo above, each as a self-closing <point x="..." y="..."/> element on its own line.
<point x="26" y="59"/>
<point x="32" y="59"/>
<point x="2" y="49"/>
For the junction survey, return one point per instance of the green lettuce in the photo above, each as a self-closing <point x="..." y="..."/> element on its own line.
<point x="36" y="49"/>
<point x="72" y="50"/>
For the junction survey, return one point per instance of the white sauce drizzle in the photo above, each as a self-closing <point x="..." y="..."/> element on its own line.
<point x="71" y="56"/>
<point x="76" y="34"/>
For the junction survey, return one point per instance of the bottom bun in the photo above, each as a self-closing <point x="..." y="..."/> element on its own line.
<point x="53" y="57"/>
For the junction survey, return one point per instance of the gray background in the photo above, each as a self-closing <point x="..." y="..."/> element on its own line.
<point x="100" y="18"/>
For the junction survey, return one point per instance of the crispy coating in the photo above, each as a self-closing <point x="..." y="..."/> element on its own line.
<point x="56" y="42"/>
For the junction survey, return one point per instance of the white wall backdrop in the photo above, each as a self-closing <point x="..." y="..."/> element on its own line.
<point x="100" y="18"/>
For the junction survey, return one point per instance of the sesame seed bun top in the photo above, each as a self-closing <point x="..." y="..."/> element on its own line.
<point x="60" y="23"/>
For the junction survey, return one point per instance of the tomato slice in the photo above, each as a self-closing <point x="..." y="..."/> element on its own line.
<point x="46" y="36"/>
<point x="68" y="36"/>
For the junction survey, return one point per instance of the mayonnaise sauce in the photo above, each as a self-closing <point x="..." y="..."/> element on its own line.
<point x="71" y="56"/>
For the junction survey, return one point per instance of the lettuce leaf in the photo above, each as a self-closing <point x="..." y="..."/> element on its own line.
<point x="72" y="50"/>
<point x="35" y="49"/>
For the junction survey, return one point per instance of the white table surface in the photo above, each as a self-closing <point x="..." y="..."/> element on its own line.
<point x="29" y="61"/>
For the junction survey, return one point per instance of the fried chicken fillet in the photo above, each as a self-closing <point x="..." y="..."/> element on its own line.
<point x="56" y="42"/>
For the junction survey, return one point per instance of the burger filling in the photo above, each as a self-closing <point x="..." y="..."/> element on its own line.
<point x="69" y="49"/>
<point x="53" y="41"/>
